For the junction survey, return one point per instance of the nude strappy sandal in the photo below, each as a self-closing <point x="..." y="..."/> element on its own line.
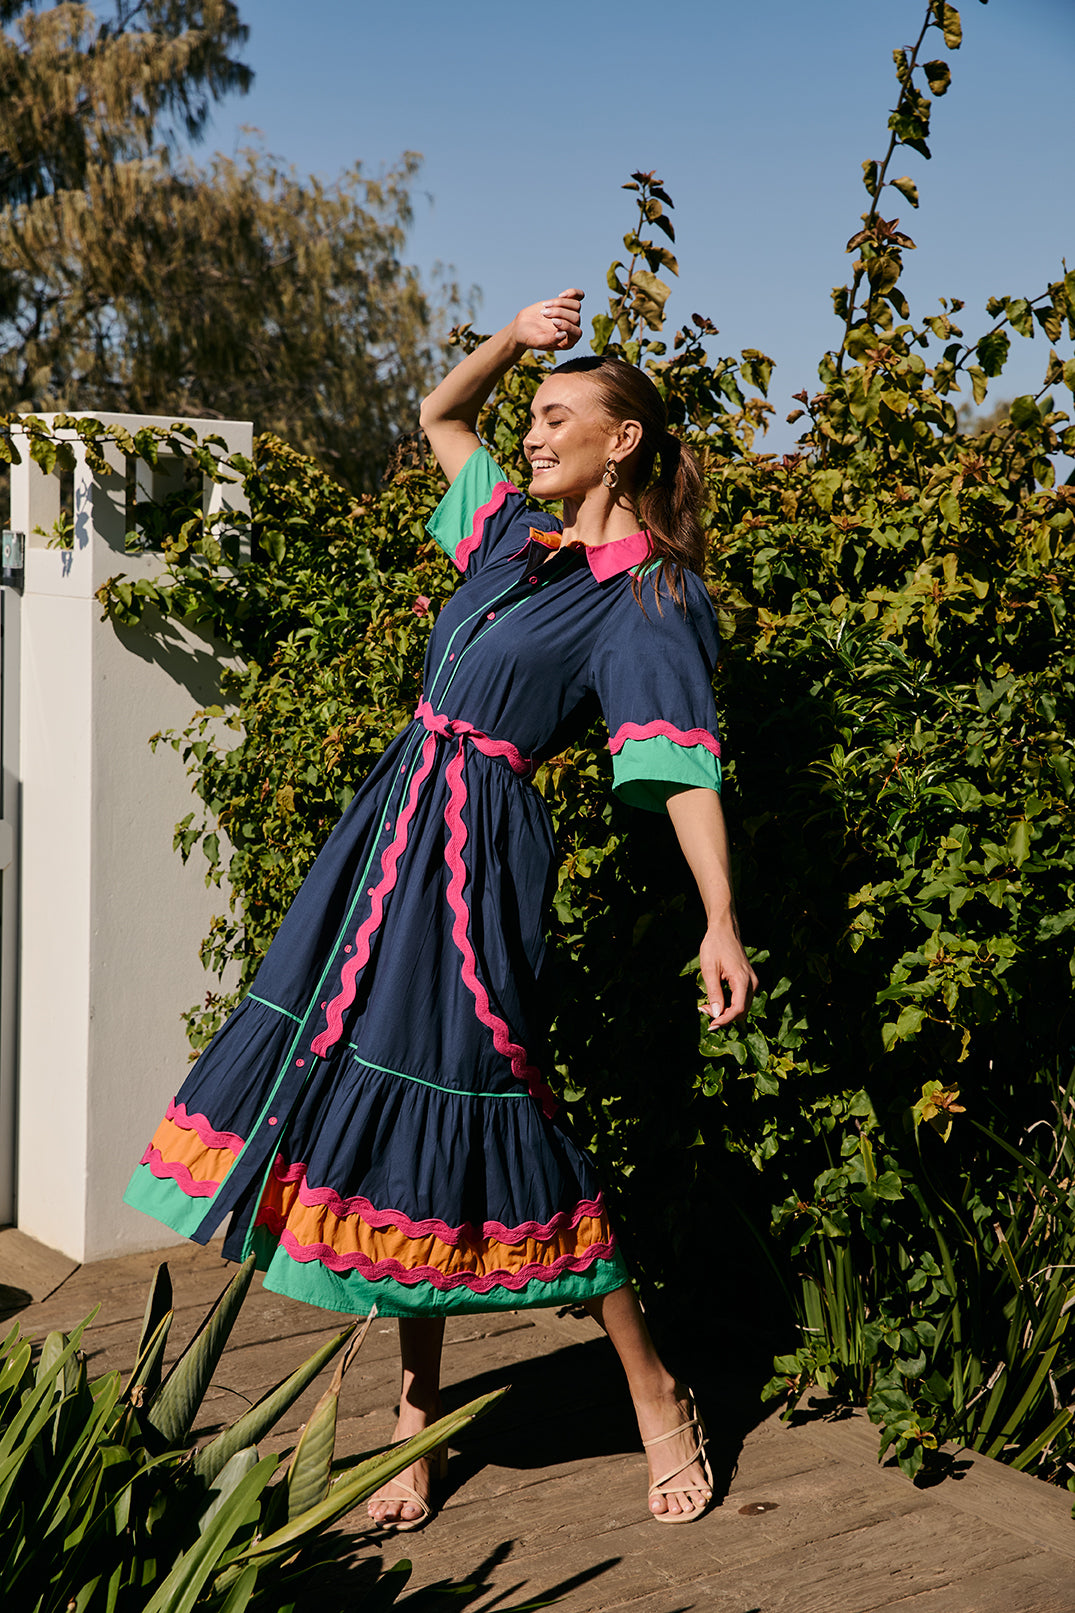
<point x="664" y="1487"/>
<point x="410" y="1497"/>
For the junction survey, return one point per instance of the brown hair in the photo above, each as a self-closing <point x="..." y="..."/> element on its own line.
<point x="668" y="485"/>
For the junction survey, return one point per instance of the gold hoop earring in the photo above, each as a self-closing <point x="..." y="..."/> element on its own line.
<point x="611" y="477"/>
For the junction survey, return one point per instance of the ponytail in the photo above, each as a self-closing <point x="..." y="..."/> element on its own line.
<point x="669" y="508"/>
<point x="668" y="481"/>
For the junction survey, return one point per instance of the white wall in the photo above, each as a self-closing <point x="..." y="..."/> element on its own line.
<point x="111" y="919"/>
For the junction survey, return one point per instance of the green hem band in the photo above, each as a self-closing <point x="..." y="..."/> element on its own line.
<point x="164" y="1199"/>
<point x="350" y="1292"/>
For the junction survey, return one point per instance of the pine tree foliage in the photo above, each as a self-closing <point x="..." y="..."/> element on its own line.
<point x="132" y="279"/>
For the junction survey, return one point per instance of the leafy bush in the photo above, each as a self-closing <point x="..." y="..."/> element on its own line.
<point x="899" y="686"/>
<point x="104" y="1504"/>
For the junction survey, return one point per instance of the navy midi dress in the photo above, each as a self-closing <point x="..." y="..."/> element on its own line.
<point x="375" y="1115"/>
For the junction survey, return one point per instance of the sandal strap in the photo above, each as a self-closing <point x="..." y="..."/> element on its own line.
<point x="663" y="1485"/>
<point x="410" y="1498"/>
<point x="681" y="1428"/>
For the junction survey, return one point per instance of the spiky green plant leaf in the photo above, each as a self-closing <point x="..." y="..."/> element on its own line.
<point x="311" y="1466"/>
<point x="184" y="1584"/>
<point x="174" y="1407"/>
<point x="255" y="1424"/>
<point x="360" y="1482"/>
<point x="158" y="1311"/>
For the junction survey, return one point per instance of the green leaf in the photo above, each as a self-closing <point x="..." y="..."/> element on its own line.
<point x="1020" y="315"/>
<point x="184" y="1585"/>
<point x="993" y="351"/>
<point x="175" y="1405"/>
<point x="907" y="188"/>
<point x="311" y="1465"/>
<point x="948" y="21"/>
<point x="241" y="1592"/>
<point x="360" y="1482"/>
<point x="825" y="485"/>
<point x="225" y="1482"/>
<point x="603" y="326"/>
<point x="938" y="76"/>
<point x="274" y="544"/>
<point x="1024" y="412"/>
<point x="1019" y="837"/>
<point x="650" y="295"/>
<point x="254" y="1424"/>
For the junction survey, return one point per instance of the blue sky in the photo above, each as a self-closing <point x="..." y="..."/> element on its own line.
<point x="757" y="115"/>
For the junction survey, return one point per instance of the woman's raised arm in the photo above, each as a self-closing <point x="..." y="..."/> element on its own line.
<point x="698" y="819"/>
<point x="449" y="416"/>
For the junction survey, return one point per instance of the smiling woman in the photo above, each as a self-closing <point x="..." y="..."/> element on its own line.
<point x="376" y="1113"/>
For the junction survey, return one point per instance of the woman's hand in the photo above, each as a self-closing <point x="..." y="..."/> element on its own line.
<point x="554" y="324"/>
<point x="699" y="824"/>
<point x="724" y="963"/>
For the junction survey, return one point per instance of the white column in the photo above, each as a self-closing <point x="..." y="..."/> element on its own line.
<point x="111" y="918"/>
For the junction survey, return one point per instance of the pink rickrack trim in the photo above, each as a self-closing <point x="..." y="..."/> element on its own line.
<point x="663" y="730"/>
<point x="457" y="728"/>
<point x="521" y="1068"/>
<point x="177" y="1113"/>
<point x="412" y="1276"/>
<point x="466" y="546"/>
<point x="389" y="866"/>
<point x="328" y="1198"/>
<point x="179" y="1173"/>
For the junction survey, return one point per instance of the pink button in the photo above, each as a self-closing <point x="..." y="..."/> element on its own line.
<point x="388" y="826"/>
<point x="451" y="658"/>
<point x="272" y="1120"/>
<point x="491" y="616"/>
<point x="347" y="948"/>
<point x="533" y="579"/>
<point x="300" y="1063"/>
<point x="324" y="1005"/>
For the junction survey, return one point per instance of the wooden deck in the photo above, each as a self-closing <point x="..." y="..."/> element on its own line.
<point x="546" y="1496"/>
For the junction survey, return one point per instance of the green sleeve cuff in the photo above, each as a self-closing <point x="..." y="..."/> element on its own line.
<point x="645" y="772"/>
<point x="456" y="522"/>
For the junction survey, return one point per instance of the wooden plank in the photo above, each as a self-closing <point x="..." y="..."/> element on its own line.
<point x="1038" y="1513"/>
<point x="884" y="1564"/>
<point x="29" y="1271"/>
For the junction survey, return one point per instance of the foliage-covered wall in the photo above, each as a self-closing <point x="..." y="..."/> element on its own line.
<point x="892" y="1130"/>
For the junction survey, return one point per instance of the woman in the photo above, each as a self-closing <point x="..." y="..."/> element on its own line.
<point x="373" y="1114"/>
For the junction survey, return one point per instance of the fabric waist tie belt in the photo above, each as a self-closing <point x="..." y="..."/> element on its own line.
<point x="456" y="728"/>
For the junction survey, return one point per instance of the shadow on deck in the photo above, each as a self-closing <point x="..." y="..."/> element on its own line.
<point x="546" y="1495"/>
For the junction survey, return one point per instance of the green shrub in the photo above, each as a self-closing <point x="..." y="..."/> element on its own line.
<point x="105" y="1504"/>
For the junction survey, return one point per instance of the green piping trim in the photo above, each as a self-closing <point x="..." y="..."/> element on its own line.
<point x="465" y="623"/>
<point x="359" y="889"/>
<point x="265" y="1003"/>
<point x="455" y="1092"/>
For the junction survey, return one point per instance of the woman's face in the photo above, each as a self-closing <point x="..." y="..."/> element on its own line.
<point x="570" y="438"/>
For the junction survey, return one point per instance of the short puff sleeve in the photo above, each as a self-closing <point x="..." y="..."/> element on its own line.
<point x="652" y="677"/>
<point x="475" y="513"/>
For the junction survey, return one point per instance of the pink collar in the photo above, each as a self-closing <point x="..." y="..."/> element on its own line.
<point x="605" y="559"/>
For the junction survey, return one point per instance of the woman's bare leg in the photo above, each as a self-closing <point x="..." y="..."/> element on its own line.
<point x="660" y="1401"/>
<point x="420" y="1340"/>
